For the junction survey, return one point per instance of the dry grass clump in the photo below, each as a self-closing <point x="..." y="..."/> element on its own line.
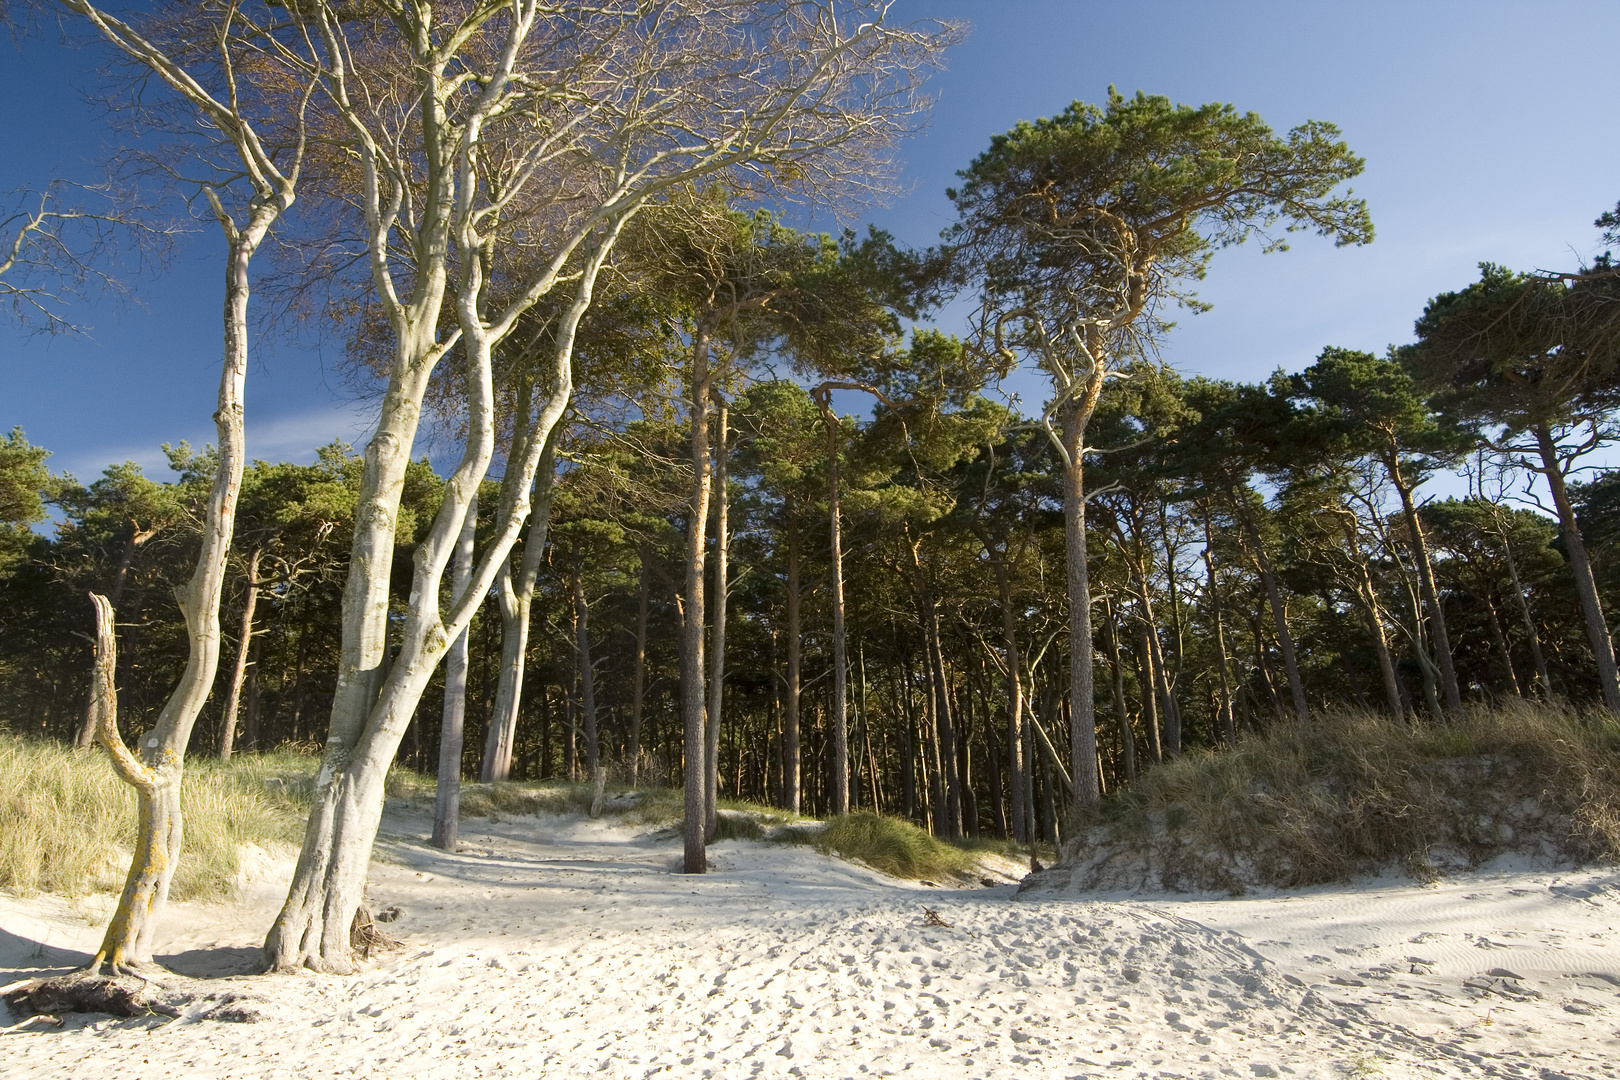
<point x="1358" y="794"/>
<point x="67" y="822"/>
<point x="892" y="846"/>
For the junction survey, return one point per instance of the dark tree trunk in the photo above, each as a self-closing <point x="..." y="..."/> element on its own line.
<point x="790" y="755"/>
<point x="1597" y="630"/>
<point x="1279" y="613"/>
<point x="233" y="700"/>
<point x="1431" y="594"/>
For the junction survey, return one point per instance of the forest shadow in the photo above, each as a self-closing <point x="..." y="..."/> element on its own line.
<point x="217" y="962"/>
<point x="22" y="957"/>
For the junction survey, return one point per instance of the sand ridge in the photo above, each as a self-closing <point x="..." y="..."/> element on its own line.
<point x="562" y="947"/>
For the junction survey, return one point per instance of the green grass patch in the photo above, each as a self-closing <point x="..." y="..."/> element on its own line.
<point x="892" y="846"/>
<point x="1358" y="794"/>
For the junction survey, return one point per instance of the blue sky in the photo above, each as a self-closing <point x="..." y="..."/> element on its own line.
<point x="1489" y="131"/>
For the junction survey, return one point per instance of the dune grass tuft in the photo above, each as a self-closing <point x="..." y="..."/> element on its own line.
<point x="67" y="822"/>
<point x="1358" y="794"/>
<point x="893" y="846"/>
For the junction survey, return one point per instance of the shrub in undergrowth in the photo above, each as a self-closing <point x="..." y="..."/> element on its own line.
<point x="892" y="846"/>
<point x="1355" y="795"/>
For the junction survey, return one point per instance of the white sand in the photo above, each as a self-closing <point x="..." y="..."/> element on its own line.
<point x="560" y="947"/>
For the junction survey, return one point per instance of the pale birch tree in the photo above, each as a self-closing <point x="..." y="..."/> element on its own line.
<point x="214" y="45"/>
<point x="483" y="128"/>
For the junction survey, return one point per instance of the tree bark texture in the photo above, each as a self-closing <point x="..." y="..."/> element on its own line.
<point x="1597" y="630"/>
<point x="717" y="644"/>
<point x="516" y="599"/>
<point x="1086" y="790"/>
<point x="694" y="702"/>
<point x="447" y="801"/>
<point x="370" y="715"/>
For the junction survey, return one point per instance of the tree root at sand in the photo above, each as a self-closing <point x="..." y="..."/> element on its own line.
<point x="129" y="994"/>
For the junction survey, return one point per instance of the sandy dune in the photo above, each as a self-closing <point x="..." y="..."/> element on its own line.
<point x="561" y="947"/>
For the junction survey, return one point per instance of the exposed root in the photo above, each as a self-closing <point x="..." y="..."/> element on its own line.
<point x="366" y="937"/>
<point x="129" y="995"/>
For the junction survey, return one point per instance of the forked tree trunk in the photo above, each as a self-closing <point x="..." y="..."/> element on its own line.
<point x="227" y="724"/>
<point x="328" y="886"/>
<point x="516" y="599"/>
<point x="1597" y="630"/>
<point x="162" y="752"/>
<point x="447" y="801"/>
<point x="137" y="538"/>
<point x="717" y="650"/>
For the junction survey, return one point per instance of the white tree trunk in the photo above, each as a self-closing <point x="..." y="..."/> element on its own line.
<point x="447" y="801"/>
<point x="517" y="598"/>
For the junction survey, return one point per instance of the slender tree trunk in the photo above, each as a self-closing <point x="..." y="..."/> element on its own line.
<point x="1017" y="769"/>
<point x="1171" y="676"/>
<point x="1597" y="630"/>
<point x="1266" y="676"/>
<point x="840" y="673"/>
<point x="1083" y="732"/>
<point x="227" y="724"/>
<point x="1426" y="584"/>
<point x="1524" y="612"/>
<point x="1150" y="692"/>
<point x="447" y="801"/>
<point x="298" y="677"/>
<point x="1502" y="650"/>
<point x="516" y="600"/>
<point x="1279" y="614"/>
<point x="717" y="654"/>
<point x="1375" y="621"/>
<point x="587" y="672"/>
<point x="1227" y="721"/>
<point x="693" y="703"/>
<point x="908" y="752"/>
<point x="160" y="834"/>
<point x="1127" y="738"/>
<point x="251" y="707"/>
<point x="638" y="690"/>
<point x="790" y="754"/>
<point x="947" y="793"/>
